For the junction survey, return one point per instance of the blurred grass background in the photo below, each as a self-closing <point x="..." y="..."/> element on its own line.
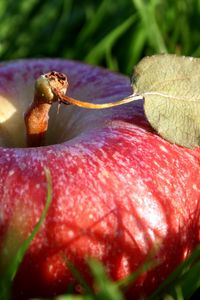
<point x="113" y="34"/>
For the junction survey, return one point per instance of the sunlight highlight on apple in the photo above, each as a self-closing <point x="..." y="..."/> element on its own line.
<point x="7" y="109"/>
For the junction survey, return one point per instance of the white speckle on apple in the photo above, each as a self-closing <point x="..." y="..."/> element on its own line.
<point x="70" y="233"/>
<point x="50" y="267"/>
<point x="11" y="172"/>
<point x="186" y="252"/>
<point x="163" y="148"/>
<point x="91" y="216"/>
<point x="194" y="186"/>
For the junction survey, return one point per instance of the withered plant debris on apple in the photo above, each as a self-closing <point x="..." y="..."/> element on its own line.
<point x="168" y="84"/>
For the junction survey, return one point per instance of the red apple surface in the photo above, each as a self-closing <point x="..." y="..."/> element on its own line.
<point x="120" y="192"/>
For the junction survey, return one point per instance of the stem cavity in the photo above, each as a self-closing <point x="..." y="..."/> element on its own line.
<point x="50" y="88"/>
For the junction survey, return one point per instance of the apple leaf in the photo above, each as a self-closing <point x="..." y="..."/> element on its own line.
<point x="170" y="86"/>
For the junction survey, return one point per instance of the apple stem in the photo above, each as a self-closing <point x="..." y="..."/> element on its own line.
<point x="37" y="115"/>
<point x="50" y="88"/>
<point x="69" y="100"/>
<point x="36" y="121"/>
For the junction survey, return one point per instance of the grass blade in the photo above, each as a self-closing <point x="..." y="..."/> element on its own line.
<point x="105" y="288"/>
<point x="108" y="41"/>
<point x="183" y="277"/>
<point x="148" y="18"/>
<point x="6" y="281"/>
<point x="79" y="278"/>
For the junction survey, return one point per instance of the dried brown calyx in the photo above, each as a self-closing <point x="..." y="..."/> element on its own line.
<point x="50" y="88"/>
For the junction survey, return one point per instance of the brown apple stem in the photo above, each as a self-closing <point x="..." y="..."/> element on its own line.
<point x="69" y="100"/>
<point x="37" y="116"/>
<point x="36" y="120"/>
<point x="50" y="88"/>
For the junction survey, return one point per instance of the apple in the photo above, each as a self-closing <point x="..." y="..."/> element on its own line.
<point x="120" y="192"/>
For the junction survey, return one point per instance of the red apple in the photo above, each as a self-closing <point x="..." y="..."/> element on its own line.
<point x="119" y="190"/>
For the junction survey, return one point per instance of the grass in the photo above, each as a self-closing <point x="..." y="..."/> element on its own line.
<point x="180" y="285"/>
<point x="114" y="34"/>
<point x="14" y="262"/>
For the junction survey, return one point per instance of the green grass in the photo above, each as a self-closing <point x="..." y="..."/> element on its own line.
<point x="180" y="285"/>
<point x="14" y="263"/>
<point x="114" y="34"/>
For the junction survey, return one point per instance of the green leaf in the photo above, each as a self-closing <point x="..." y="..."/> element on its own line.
<point x="171" y="89"/>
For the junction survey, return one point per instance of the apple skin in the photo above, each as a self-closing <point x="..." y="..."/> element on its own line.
<point x="120" y="192"/>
